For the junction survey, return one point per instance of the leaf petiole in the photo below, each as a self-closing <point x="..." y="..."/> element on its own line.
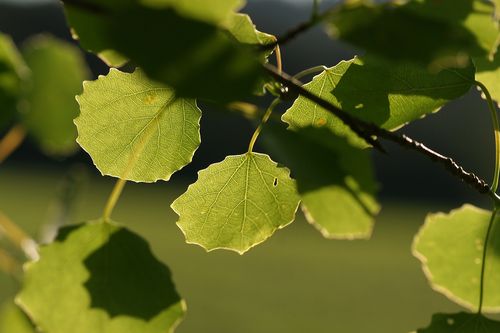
<point x="265" y="118"/>
<point x="113" y="199"/>
<point x="496" y="128"/>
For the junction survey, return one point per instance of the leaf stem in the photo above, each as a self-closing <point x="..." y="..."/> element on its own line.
<point x="9" y="264"/>
<point x="113" y="199"/>
<point x="18" y="237"/>
<point x="11" y="141"/>
<point x="264" y="120"/>
<point x="483" y="262"/>
<point x="496" y="129"/>
<point x="309" y="71"/>
<point x="279" y="63"/>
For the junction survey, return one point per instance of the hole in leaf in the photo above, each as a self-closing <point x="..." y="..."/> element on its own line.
<point x="275" y="182"/>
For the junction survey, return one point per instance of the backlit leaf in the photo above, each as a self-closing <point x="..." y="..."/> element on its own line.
<point x="100" y="278"/>
<point x="137" y="129"/>
<point x="461" y="323"/>
<point x="403" y="32"/>
<point x="58" y="70"/>
<point x="388" y="95"/>
<point x="450" y="247"/>
<point x="195" y="57"/>
<point x="237" y="203"/>
<point x="13" y="320"/>
<point x="335" y="180"/>
<point x="488" y="73"/>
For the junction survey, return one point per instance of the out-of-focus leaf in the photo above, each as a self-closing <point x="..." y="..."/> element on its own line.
<point x="13" y="320"/>
<point x="335" y="180"/>
<point x="58" y="70"/>
<point x="237" y="203"/>
<point x="197" y="58"/>
<point x="100" y="278"/>
<point x="387" y="94"/>
<point x="461" y="323"/>
<point x="137" y="129"/>
<point x="13" y="72"/>
<point x="435" y="33"/>
<point x="488" y="73"/>
<point x="450" y="247"/>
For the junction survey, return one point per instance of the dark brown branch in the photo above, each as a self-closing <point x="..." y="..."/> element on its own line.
<point x="367" y="130"/>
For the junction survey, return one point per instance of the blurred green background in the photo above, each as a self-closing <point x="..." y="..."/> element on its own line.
<point x="296" y="281"/>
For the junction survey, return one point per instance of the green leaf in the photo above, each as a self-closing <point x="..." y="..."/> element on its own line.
<point x="237" y="203"/>
<point x="100" y="278"/>
<point x="137" y="129"/>
<point x="386" y="94"/>
<point x="461" y="323"/>
<point x="404" y="32"/>
<point x="245" y="32"/>
<point x="196" y="58"/>
<point x="488" y="73"/>
<point x="450" y="247"/>
<point x="13" y="320"/>
<point x="218" y="11"/>
<point x="335" y="180"/>
<point x="58" y="69"/>
<point x="13" y="72"/>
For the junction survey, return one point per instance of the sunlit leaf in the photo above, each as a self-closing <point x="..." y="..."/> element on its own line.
<point x="450" y="247"/>
<point x="237" y="203"/>
<point x="243" y="29"/>
<point x="335" y="180"/>
<point x="197" y="58"/>
<point x="388" y="95"/>
<point x="100" y="278"/>
<point x="13" y="320"/>
<point x="137" y="129"/>
<point x="13" y="72"/>
<point x="461" y="323"/>
<point x="58" y="70"/>
<point x="428" y="32"/>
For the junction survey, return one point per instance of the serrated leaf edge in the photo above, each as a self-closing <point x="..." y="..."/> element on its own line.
<point x="239" y="251"/>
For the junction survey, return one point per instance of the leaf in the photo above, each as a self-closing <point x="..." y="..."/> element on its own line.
<point x="13" y="320"/>
<point x="13" y="72"/>
<point x="100" y="278"/>
<point x="218" y="11"/>
<point x="243" y="29"/>
<point x="196" y="58"/>
<point x="57" y="72"/>
<point x="461" y="323"/>
<point x="387" y="94"/>
<point x="335" y="180"/>
<point x="488" y="73"/>
<point x="137" y="129"/>
<point x="457" y="27"/>
<point x="450" y="247"/>
<point x="237" y="203"/>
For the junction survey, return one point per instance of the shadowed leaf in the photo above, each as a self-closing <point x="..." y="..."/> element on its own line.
<point x="461" y="323"/>
<point x="100" y="278"/>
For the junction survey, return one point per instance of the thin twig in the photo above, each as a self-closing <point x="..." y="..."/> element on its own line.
<point x="367" y="130"/>
<point x="11" y="141"/>
<point x="18" y="237"/>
